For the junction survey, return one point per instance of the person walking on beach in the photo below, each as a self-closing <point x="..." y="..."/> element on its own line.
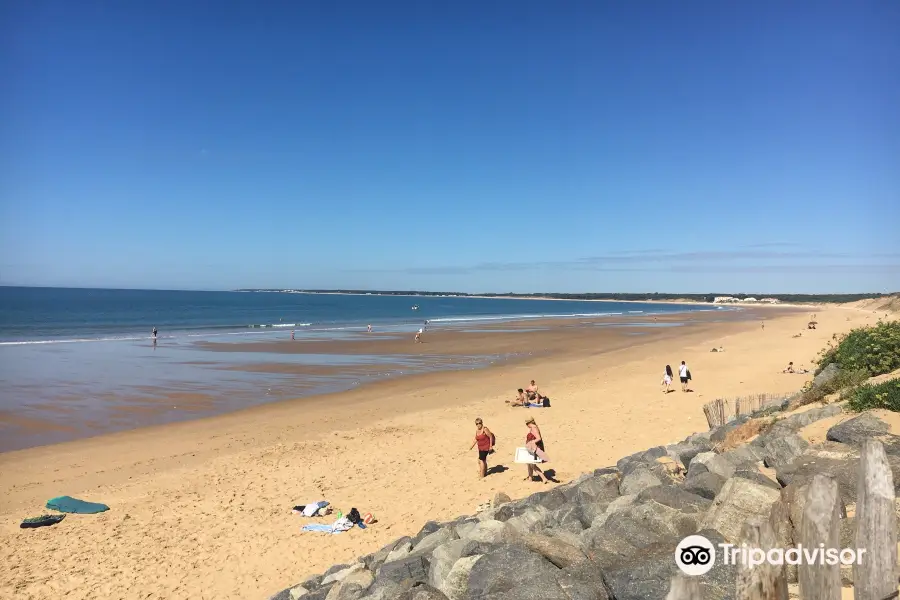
<point x="484" y="439"/>
<point x="419" y="335"/>
<point x="369" y="328"/>
<point x="685" y="375"/>
<point x="292" y="335"/>
<point x="535" y="444"/>
<point x="667" y="379"/>
<point x="153" y="333"/>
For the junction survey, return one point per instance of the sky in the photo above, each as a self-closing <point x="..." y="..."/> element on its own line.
<point x="508" y="146"/>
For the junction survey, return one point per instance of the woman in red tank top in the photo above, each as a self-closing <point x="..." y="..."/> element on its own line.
<point x="484" y="439"/>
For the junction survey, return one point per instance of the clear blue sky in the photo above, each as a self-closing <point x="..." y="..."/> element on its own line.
<point x="473" y="146"/>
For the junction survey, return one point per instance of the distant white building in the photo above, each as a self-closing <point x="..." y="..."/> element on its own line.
<point x="770" y="300"/>
<point x="750" y="299"/>
<point x="724" y="300"/>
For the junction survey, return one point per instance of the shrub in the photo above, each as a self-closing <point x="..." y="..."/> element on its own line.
<point x="844" y="382"/>
<point x="875" y="349"/>
<point x="880" y="395"/>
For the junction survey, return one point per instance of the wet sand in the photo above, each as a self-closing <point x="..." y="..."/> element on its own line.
<point x="201" y="509"/>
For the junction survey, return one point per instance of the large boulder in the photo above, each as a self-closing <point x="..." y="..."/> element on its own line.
<point x="718" y="435"/>
<point x="445" y="556"/>
<point x="375" y="560"/>
<point x="739" y="500"/>
<point x="534" y="519"/>
<point x="456" y="584"/>
<point x="825" y="376"/>
<point x="712" y="462"/>
<point x="352" y="587"/>
<point x="627" y="464"/>
<point x="506" y="568"/>
<point x="333" y="574"/>
<point x="686" y="451"/>
<point x="433" y="540"/>
<point x="422" y="592"/>
<point x="617" y="505"/>
<point x="487" y="532"/>
<point x="675" y="497"/>
<point x="412" y="569"/>
<point x="583" y="581"/>
<point x="756" y="477"/>
<point x="855" y="431"/>
<point x="554" y="549"/>
<point x="648" y="574"/>
<point x="572" y="517"/>
<point x="743" y="456"/>
<point x="594" y="490"/>
<point x="704" y="484"/>
<point x="783" y="449"/>
<point x="637" y="479"/>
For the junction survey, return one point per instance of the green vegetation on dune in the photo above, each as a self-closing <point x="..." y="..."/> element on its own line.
<point x="875" y="349"/>
<point x="882" y="395"/>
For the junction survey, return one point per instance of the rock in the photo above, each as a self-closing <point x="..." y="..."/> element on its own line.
<point x="499" y="499"/>
<point x="422" y="592"/>
<point x="351" y="587"/>
<point x="743" y="456"/>
<point x="570" y="518"/>
<point x="373" y="561"/>
<point x="401" y="551"/>
<point x="718" y="435"/>
<point x="554" y="549"/>
<point x="385" y="590"/>
<point x="412" y="568"/>
<point x="713" y="462"/>
<point x="705" y="484"/>
<point x="427" y="529"/>
<point x="332" y="575"/>
<point x="456" y="584"/>
<point x="783" y="449"/>
<point x="538" y="589"/>
<point x="550" y="500"/>
<point x="445" y="556"/>
<point x="855" y="431"/>
<point x="830" y="371"/>
<point x="489" y="532"/>
<point x="629" y="463"/>
<point x="506" y="568"/>
<point x="835" y="460"/>
<point x="675" y="497"/>
<point x="638" y="479"/>
<point x="535" y="519"/>
<point x="739" y="500"/>
<point x="797" y="421"/>
<point x="433" y="540"/>
<point x="686" y="451"/>
<point x="583" y="581"/>
<point x="649" y="574"/>
<point x="619" y="504"/>
<point x="756" y="477"/>
<point x="636" y="527"/>
<point x="671" y="468"/>
<point x="595" y="489"/>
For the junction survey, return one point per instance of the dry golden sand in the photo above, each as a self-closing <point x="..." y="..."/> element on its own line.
<point x="202" y="509"/>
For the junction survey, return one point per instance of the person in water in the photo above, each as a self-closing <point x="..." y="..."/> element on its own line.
<point x="535" y="444"/>
<point x="154" y="333"/>
<point x="484" y="439"/>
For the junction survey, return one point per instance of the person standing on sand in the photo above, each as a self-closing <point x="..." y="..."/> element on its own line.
<point x="154" y="333"/>
<point x="667" y="379"/>
<point x="419" y="335"/>
<point x="685" y="375"/>
<point x="369" y="328"/>
<point x="535" y="444"/>
<point x="484" y="439"/>
<point x="292" y="335"/>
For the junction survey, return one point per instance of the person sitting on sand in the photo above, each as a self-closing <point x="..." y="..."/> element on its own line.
<point x="535" y="444"/>
<point x="790" y="368"/>
<point x="532" y="392"/>
<point x="667" y="379"/>
<point x="520" y="400"/>
<point x="484" y="439"/>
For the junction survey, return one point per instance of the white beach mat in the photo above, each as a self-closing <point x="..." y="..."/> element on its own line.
<point x="523" y="456"/>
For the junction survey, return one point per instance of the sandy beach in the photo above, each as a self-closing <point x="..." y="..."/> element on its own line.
<point x="202" y="509"/>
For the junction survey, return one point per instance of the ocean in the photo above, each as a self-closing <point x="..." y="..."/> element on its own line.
<point x="60" y="315"/>
<point x="81" y="362"/>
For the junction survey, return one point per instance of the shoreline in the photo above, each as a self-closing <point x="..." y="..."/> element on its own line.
<point x="201" y="509"/>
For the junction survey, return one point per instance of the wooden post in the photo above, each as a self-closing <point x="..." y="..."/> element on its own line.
<point x="765" y="581"/>
<point x="820" y="524"/>
<point x="684" y="588"/>
<point x="876" y="526"/>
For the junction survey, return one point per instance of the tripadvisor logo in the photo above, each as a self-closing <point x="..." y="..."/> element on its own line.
<point x="696" y="555"/>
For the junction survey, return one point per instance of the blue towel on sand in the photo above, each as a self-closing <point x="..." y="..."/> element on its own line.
<point x="319" y="527"/>
<point x="67" y="504"/>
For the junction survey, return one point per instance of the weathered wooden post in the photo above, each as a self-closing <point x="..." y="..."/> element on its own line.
<point x="765" y="581"/>
<point x="876" y="526"/>
<point x="684" y="588"/>
<point x="820" y="524"/>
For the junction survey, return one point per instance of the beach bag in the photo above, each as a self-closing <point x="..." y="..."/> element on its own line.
<point x="546" y="402"/>
<point x="353" y="516"/>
